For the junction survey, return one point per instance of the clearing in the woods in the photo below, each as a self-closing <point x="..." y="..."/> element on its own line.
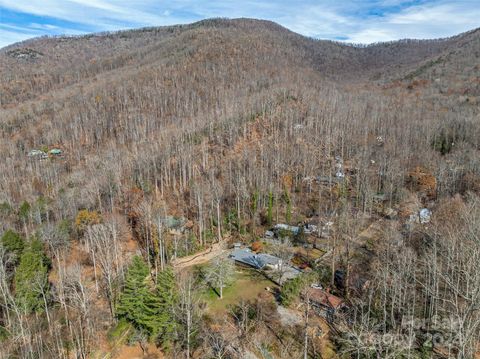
<point x="247" y="285"/>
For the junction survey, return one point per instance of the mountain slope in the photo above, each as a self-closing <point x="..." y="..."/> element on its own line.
<point x="57" y="62"/>
<point x="230" y="126"/>
<point x="155" y="88"/>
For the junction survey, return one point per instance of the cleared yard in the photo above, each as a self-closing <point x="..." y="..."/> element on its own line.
<point x="309" y="253"/>
<point x="247" y="284"/>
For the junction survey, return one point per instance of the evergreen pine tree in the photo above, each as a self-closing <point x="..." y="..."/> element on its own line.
<point x="13" y="243"/>
<point x="31" y="278"/>
<point x="24" y="211"/>
<point x="138" y="304"/>
<point x="166" y="290"/>
<point x="270" y="208"/>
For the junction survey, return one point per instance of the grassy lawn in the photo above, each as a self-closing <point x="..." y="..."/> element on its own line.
<point x="247" y="284"/>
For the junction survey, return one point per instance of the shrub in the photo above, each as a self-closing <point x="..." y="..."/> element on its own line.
<point x="120" y="333"/>
<point x="87" y="218"/>
<point x="5" y="209"/>
<point x="257" y="246"/>
<point x="4" y="334"/>
<point x="443" y="143"/>
<point x="292" y="288"/>
<point x="24" y="210"/>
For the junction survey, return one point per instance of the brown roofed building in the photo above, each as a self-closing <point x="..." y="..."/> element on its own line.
<point x="325" y="299"/>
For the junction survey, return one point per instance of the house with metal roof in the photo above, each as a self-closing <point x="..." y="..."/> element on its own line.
<point x="37" y="154"/>
<point x="55" y="152"/>
<point x="258" y="261"/>
<point x="285" y="227"/>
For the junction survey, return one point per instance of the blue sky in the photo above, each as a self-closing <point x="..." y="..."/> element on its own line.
<point x="359" y="21"/>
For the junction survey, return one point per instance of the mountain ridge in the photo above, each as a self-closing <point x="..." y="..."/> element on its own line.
<point x="225" y="22"/>
<point x="92" y="54"/>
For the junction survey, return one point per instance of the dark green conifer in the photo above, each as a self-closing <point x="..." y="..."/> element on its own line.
<point x="31" y="278"/>
<point x="166" y="290"/>
<point x="13" y="243"/>
<point x="138" y="304"/>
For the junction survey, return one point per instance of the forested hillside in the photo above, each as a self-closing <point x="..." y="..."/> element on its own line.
<point x="129" y="157"/>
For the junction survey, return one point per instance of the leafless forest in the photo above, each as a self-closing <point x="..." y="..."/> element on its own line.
<point x="179" y="141"/>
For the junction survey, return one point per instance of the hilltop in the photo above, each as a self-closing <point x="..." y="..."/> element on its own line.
<point x="58" y="62"/>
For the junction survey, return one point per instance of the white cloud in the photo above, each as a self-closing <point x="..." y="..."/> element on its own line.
<point x="34" y="25"/>
<point x="100" y="15"/>
<point x="9" y="37"/>
<point x="421" y="22"/>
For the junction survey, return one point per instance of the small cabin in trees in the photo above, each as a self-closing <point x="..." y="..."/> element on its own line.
<point x="37" y="154"/>
<point x="285" y="227"/>
<point x="324" y="302"/>
<point x="55" y="152"/>
<point x="324" y="299"/>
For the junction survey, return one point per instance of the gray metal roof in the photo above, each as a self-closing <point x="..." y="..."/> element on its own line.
<point x="246" y="256"/>
<point x="286" y="227"/>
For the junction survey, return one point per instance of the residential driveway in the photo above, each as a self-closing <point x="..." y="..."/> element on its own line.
<point x="217" y="249"/>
